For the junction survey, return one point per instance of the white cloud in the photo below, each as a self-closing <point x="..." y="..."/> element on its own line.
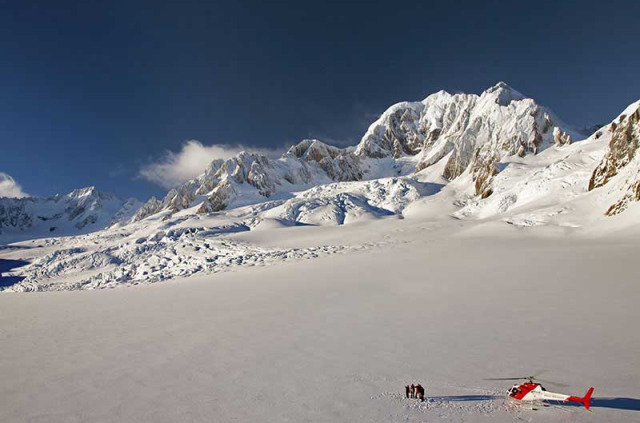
<point x="175" y="168"/>
<point x="9" y="187"/>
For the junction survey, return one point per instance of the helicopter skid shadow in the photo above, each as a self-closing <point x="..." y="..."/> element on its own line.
<point x="464" y="398"/>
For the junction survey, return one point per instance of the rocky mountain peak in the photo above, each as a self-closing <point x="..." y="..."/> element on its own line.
<point x="314" y="150"/>
<point x="471" y="129"/>
<point x="83" y="192"/>
<point x="502" y="94"/>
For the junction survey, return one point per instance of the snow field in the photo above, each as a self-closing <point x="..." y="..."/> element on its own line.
<point x="338" y="337"/>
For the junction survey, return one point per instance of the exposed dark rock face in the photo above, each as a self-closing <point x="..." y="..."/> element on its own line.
<point x="622" y="149"/>
<point x="339" y="164"/>
<point x="401" y="132"/>
<point x="484" y="169"/>
<point x="632" y="195"/>
<point x="218" y="200"/>
<point x="621" y="159"/>
<point x="560" y="137"/>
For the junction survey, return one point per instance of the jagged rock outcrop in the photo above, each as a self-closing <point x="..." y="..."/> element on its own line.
<point x="79" y="211"/>
<point x="484" y="169"/>
<point x="147" y="209"/>
<point x="622" y="161"/>
<point x="181" y="197"/>
<point x="217" y="200"/>
<point x="633" y="194"/>
<point x="340" y="164"/>
<point x="208" y="179"/>
<point x="622" y="149"/>
<point x="560" y="137"/>
<point x="399" y="131"/>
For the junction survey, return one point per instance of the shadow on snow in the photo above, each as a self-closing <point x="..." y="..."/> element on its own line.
<point x="6" y="266"/>
<point x="630" y="404"/>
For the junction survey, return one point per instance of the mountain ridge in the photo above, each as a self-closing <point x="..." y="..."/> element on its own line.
<point x="476" y="131"/>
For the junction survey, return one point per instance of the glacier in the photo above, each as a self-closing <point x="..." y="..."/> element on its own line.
<point x="493" y="157"/>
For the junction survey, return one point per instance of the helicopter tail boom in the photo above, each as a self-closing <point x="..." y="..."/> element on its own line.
<point x="584" y="400"/>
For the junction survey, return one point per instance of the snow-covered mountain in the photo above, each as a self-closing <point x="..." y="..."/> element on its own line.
<point x="80" y="211"/>
<point x="466" y="130"/>
<point x="251" y="178"/>
<point x="497" y="157"/>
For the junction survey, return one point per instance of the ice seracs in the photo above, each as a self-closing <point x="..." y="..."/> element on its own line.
<point x="347" y="202"/>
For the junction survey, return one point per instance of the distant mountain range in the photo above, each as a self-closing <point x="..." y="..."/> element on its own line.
<point x="464" y="133"/>
<point x="80" y="211"/>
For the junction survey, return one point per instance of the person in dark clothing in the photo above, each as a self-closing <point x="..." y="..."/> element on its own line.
<point x="406" y="388"/>
<point x="420" y="392"/>
<point x="413" y="391"/>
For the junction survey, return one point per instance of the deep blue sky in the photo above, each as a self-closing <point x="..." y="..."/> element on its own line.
<point x="92" y="90"/>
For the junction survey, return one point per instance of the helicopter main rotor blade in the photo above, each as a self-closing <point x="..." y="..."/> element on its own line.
<point x="538" y="372"/>
<point x="548" y="382"/>
<point x="531" y="378"/>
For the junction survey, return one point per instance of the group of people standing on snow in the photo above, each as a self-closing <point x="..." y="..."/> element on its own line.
<point x="415" y="391"/>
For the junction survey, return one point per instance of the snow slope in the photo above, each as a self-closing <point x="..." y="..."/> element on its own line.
<point x="445" y="303"/>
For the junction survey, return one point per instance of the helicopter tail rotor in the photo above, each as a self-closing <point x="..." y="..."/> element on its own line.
<point x="584" y="400"/>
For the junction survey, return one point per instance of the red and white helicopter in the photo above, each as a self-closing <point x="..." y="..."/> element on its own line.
<point x="533" y="392"/>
